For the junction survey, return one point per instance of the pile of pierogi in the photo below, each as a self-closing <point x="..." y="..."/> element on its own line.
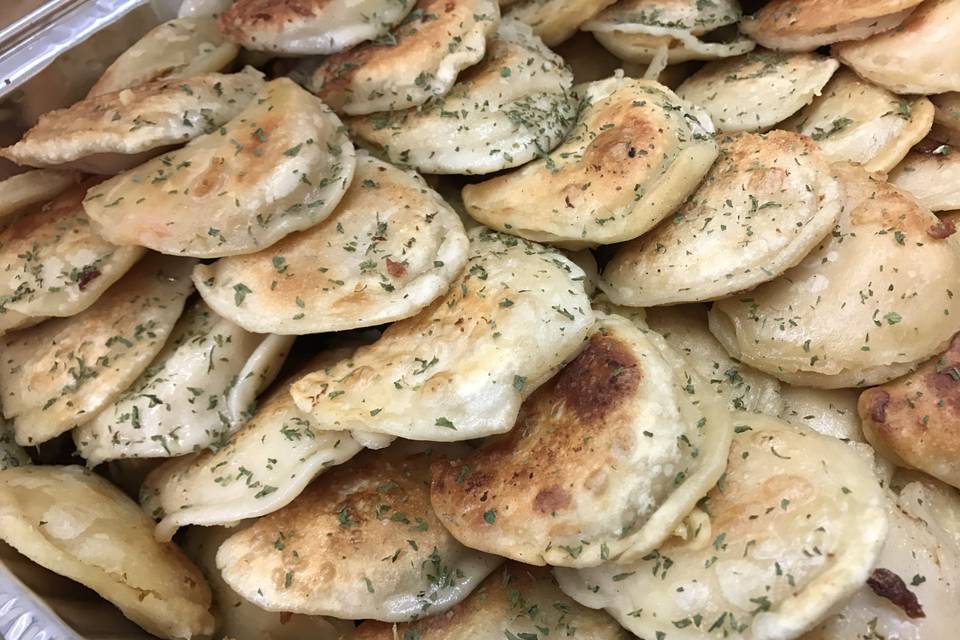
<point x="467" y="320"/>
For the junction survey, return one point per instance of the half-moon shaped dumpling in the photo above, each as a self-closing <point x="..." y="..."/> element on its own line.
<point x="261" y="468"/>
<point x="804" y="25"/>
<point x="931" y="174"/>
<point x="740" y="386"/>
<point x="461" y="368"/>
<point x="177" y="48"/>
<point x="32" y="187"/>
<point x="305" y="27"/>
<point x="77" y="524"/>
<point x="913" y="421"/>
<point x="198" y="390"/>
<point x="54" y="262"/>
<point x="681" y="30"/>
<point x="922" y="55"/>
<point x="606" y="459"/>
<point x="517" y="600"/>
<point x="281" y="165"/>
<point x="110" y="132"/>
<point x="857" y="121"/>
<point x="362" y="543"/>
<point x="636" y="152"/>
<point x="556" y="20"/>
<point x="419" y="61"/>
<point x="514" y="106"/>
<point x="756" y="91"/>
<point x="869" y="304"/>
<point x="765" y="204"/>
<point x="795" y="528"/>
<point x="391" y="247"/>
<point x="60" y="373"/>
<point x="240" y="619"/>
<point x="913" y="590"/>
<point x="11" y="454"/>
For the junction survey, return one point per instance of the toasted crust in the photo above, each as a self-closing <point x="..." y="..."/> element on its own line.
<point x="420" y="61"/>
<point x="635" y="153"/>
<point x="589" y="475"/>
<point x="58" y="374"/>
<point x="281" y="165"/>
<point x="756" y="91"/>
<point x="200" y="388"/>
<point x="282" y="447"/>
<point x="920" y="56"/>
<point x="77" y="524"/>
<point x="55" y="264"/>
<point x="305" y="27"/>
<point x="873" y="301"/>
<point x="764" y="205"/>
<point x="752" y="566"/>
<point x="513" y="106"/>
<point x="178" y="48"/>
<point x="314" y="555"/>
<point x="915" y="420"/>
<point x="931" y="174"/>
<point x="556" y="20"/>
<point x="390" y="248"/>
<point x="518" y="600"/>
<point x="461" y="368"/>
<point x="857" y="121"/>
<point x="804" y="25"/>
<point x="132" y="124"/>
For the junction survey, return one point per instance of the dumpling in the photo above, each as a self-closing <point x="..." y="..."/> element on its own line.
<point x="765" y="204"/>
<point x="461" y="368"/>
<point x="869" y="304"/>
<point x="633" y="156"/>
<point x="913" y="421"/>
<point x="281" y="165"/>
<point x="913" y="591"/>
<point x="361" y="543"/>
<point x="110" y="132"/>
<point x="517" y="601"/>
<point x="12" y="321"/>
<point x="54" y="263"/>
<point x="417" y="62"/>
<point x="59" y="374"/>
<point x="930" y="173"/>
<point x="240" y="619"/>
<point x="390" y="248"/>
<point x="805" y="25"/>
<point x="795" y="527"/>
<point x="32" y="187"/>
<point x="304" y="27"/>
<point x="645" y="272"/>
<point x="756" y="91"/>
<point x="178" y="48"/>
<point x="740" y="386"/>
<point x="605" y="461"/>
<point x="261" y="468"/>
<point x="198" y="390"/>
<point x="670" y="30"/>
<point x="857" y="121"/>
<point x="77" y="524"/>
<point x="556" y="20"/>
<point x="922" y="55"/>
<point x="11" y="454"/>
<point x="512" y="107"/>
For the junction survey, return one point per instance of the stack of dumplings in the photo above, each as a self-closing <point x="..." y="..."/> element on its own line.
<point x="473" y="320"/>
